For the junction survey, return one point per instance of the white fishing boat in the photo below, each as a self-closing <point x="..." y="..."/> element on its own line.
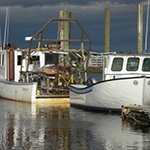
<point x="125" y="81"/>
<point x="42" y="72"/>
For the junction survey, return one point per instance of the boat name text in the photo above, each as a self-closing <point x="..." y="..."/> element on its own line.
<point x="25" y="89"/>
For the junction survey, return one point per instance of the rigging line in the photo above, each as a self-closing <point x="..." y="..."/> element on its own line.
<point x="147" y="20"/>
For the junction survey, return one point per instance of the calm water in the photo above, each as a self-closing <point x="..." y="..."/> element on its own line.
<point x="46" y="127"/>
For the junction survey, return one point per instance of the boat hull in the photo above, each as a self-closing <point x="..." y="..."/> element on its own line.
<point x="16" y="91"/>
<point x="113" y="94"/>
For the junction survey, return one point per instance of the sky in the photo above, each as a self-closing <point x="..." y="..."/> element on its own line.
<point x="28" y="16"/>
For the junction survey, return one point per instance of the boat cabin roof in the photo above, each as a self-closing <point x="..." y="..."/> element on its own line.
<point x="125" y="54"/>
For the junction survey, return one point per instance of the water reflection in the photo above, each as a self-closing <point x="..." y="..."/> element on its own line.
<point x="53" y="111"/>
<point x="140" y="134"/>
<point x="61" y="127"/>
<point x="132" y="125"/>
<point x="26" y="126"/>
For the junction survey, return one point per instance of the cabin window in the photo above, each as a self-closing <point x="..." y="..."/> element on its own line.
<point x="146" y="64"/>
<point x="117" y="64"/>
<point x="48" y="59"/>
<point x="19" y="60"/>
<point x="132" y="64"/>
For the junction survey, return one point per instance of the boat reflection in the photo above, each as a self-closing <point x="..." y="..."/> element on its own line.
<point x="53" y="111"/>
<point x="35" y="126"/>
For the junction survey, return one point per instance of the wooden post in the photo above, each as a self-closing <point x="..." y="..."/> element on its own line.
<point x="11" y="64"/>
<point x="41" y="82"/>
<point x="65" y="31"/>
<point x="107" y="30"/>
<point x="65" y="28"/>
<point x="47" y="85"/>
<point x="140" y="29"/>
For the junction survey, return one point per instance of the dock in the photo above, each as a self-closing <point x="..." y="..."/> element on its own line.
<point x="138" y="113"/>
<point x="53" y="99"/>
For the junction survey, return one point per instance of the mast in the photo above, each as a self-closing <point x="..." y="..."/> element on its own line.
<point x="6" y="31"/>
<point x="0" y="39"/>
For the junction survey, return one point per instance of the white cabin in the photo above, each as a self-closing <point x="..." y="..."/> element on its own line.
<point x="38" y="60"/>
<point x="126" y="65"/>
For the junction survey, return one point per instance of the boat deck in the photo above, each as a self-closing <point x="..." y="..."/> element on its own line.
<point x="52" y="96"/>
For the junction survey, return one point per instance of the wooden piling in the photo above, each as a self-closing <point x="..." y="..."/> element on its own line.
<point x="11" y="64"/>
<point x="65" y="29"/>
<point x="140" y="29"/>
<point x="47" y="85"/>
<point x="107" y="29"/>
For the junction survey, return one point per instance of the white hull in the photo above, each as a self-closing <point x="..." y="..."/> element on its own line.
<point x="16" y="91"/>
<point x="113" y="94"/>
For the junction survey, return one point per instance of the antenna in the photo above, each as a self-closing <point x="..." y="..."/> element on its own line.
<point x="147" y="20"/>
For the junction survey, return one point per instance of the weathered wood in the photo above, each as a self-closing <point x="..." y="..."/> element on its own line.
<point x="140" y="29"/>
<point x="107" y="29"/>
<point x="65" y="28"/>
<point x="138" y="113"/>
<point x="47" y="85"/>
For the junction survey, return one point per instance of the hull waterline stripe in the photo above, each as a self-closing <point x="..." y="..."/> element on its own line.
<point x="10" y="99"/>
<point x="105" y="109"/>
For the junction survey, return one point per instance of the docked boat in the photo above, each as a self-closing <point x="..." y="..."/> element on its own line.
<point x="125" y="81"/>
<point x="44" y="70"/>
